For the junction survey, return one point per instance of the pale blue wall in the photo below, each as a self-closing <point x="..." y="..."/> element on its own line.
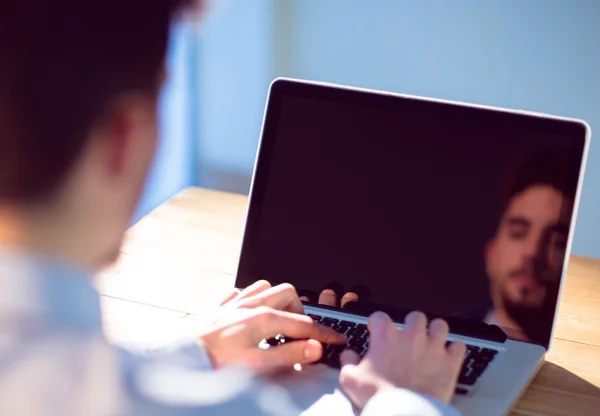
<point x="537" y="54"/>
<point x="175" y="163"/>
<point x="235" y="64"/>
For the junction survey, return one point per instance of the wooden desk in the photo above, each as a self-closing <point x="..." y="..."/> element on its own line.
<point x="181" y="260"/>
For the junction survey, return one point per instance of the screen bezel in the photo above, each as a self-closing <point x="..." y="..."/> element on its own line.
<point x="281" y="88"/>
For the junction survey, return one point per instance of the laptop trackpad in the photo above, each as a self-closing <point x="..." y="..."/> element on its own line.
<point x="315" y="389"/>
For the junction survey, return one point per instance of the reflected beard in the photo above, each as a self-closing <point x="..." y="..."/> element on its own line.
<point x="535" y="322"/>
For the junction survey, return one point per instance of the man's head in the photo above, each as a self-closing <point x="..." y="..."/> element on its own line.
<point x="79" y="85"/>
<point x="524" y="259"/>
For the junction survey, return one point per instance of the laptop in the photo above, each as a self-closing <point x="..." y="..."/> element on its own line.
<point x="461" y="211"/>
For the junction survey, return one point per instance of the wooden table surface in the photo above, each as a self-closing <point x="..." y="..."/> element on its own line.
<point x="181" y="259"/>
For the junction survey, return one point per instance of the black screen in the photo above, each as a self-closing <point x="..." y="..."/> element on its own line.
<point x="398" y="199"/>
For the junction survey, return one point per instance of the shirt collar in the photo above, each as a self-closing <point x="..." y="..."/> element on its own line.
<point x="40" y="288"/>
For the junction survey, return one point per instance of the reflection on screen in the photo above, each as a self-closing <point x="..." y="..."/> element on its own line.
<point x="413" y="209"/>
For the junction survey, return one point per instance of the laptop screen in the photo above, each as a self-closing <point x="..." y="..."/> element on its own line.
<point x="414" y="205"/>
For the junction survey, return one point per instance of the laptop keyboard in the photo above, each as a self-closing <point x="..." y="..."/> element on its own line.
<point x="476" y="360"/>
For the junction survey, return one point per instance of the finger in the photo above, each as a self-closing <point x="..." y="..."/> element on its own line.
<point x="438" y="331"/>
<point x="356" y="386"/>
<point x="349" y="357"/>
<point x="328" y="297"/>
<point x="378" y="322"/>
<point x="282" y="297"/>
<point x="286" y="356"/>
<point x="254" y="289"/>
<point x="349" y="297"/>
<point x="269" y="322"/>
<point x="304" y="299"/>
<point x="230" y="297"/>
<point x="382" y="330"/>
<point x="415" y="322"/>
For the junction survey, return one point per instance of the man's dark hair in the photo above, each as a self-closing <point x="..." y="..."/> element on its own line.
<point x="558" y="168"/>
<point x="62" y="63"/>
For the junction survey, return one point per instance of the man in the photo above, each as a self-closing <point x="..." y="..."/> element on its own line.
<point x="79" y="85"/>
<point x="524" y="259"/>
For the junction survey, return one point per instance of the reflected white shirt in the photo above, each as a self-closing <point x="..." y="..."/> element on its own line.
<point x="54" y="360"/>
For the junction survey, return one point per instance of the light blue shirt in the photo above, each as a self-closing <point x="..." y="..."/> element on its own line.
<point x="54" y="360"/>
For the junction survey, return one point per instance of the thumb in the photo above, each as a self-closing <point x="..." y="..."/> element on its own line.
<point x="287" y="355"/>
<point x="355" y="385"/>
<point x="349" y="357"/>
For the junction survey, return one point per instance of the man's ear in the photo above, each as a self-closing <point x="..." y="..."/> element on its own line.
<point x="122" y="126"/>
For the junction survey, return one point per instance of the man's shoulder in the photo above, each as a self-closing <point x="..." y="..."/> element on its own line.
<point x="178" y="380"/>
<point x="59" y="372"/>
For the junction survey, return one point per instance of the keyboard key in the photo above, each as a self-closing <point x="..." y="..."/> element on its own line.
<point x="358" y="348"/>
<point x="364" y="338"/>
<point x="348" y="323"/>
<point x="472" y="348"/>
<point x="461" y="391"/>
<point x="467" y="380"/>
<point x="330" y="320"/>
<point x="358" y="332"/>
<point x="466" y="367"/>
<point x="355" y="341"/>
<point x="327" y="348"/>
<point x="342" y="329"/>
<point x="487" y="354"/>
<point x="339" y="348"/>
<point x="336" y="351"/>
<point x="477" y="371"/>
<point x="487" y="357"/>
<point x="334" y="361"/>
<point x="331" y="355"/>
<point x="315" y="318"/>
<point x="479" y="365"/>
<point x="352" y="332"/>
<point x="363" y="326"/>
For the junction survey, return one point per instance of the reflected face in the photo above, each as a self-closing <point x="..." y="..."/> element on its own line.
<point x="525" y="258"/>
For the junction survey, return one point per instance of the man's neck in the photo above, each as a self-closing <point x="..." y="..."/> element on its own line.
<point x="510" y="325"/>
<point x="38" y="231"/>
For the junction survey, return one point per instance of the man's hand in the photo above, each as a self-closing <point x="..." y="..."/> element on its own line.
<point x="412" y="358"/>
<point x="262" y="312"/>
